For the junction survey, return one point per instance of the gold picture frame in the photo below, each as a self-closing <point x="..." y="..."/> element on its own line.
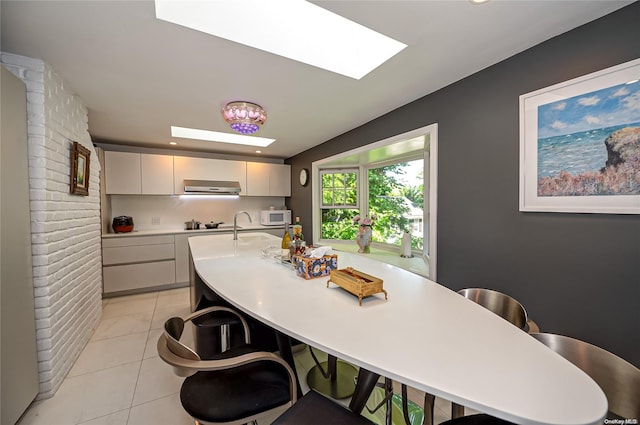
<point x="80" y="170"/>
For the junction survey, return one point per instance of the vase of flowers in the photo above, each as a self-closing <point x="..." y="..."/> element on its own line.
<point x="363" y="238"/>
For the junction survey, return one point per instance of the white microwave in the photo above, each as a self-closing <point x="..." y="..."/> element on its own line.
<point x="275" y="217"/>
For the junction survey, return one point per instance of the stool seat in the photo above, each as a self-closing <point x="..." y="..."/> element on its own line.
<point x="221" y="396"/>
<point x="316" y="409"/>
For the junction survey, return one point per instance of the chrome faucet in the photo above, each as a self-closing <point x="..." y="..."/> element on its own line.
<point x="235" y="223"/>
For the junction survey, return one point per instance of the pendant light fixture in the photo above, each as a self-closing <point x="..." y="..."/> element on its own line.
<point x="244" y="117"/>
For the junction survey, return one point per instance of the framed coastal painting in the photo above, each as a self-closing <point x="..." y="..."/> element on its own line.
<point x="80" y="157"/>
<point x="580" y="144"/>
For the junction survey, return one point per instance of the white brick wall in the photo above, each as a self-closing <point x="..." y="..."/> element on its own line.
<point x="65" y="228"/>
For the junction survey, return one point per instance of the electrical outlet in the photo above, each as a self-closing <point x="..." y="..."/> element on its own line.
<point x="155" y="220"/>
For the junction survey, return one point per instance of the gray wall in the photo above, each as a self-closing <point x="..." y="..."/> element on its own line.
<point x="577" y="274"/>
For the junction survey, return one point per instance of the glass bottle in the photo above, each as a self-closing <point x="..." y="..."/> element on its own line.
<point x="297" y="230"/>
<point x="286" y="238"/>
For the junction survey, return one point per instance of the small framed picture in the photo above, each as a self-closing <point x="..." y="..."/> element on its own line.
<point x="80" y="157"/>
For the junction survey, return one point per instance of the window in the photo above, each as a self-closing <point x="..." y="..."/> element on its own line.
<point x="339" y="203"/>
<point x="393" y="193"/>
<point x="396" y="198"/>
<point x="397" y="180"/>
<point x="340" y="188"/>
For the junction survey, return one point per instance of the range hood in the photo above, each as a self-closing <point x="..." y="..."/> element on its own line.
<point x="212" y="187"/>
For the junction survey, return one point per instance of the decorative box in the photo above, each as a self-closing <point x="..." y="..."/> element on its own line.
<point x="312" y="267"/>
<point x="356" y="282"/>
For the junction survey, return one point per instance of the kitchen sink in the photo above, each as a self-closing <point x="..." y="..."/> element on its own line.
<point x="253" y="238"/>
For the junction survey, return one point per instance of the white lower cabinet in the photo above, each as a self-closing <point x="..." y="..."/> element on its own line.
<point x="138" y="276"/>
<point x="136" y="263"/>
<point x="182" y="258"/>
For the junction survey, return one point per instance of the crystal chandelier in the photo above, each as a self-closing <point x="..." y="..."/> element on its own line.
<point x="244" y="117"/>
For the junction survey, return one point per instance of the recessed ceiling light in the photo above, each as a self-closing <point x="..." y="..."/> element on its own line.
<point x="214" y="136"/>
<point x="294" y="29"/>
<point x="478" y="1"/>
<point x="258" y="151"/>
<point x="173" y="143"/>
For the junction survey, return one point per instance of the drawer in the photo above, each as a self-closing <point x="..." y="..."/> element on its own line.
<point x="136" y="241"/>
<point x="138" y="254"/>
<point x="137" y="276"/>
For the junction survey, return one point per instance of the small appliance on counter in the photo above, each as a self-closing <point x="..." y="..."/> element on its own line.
<point x="122" y="224"/>
<point x="275" y="217"/>
<point x="192" y="225"/>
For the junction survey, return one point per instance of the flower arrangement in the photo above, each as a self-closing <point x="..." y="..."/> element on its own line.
<point x="363" y="238"/>
<point x="366" y="221"/>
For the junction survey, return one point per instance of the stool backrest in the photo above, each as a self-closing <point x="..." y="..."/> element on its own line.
<point x="173" y="328"/>
<point x="497" y="302"/>
<point x="619" y="379"/>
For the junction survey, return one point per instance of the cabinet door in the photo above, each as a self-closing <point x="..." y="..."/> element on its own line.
<point x="138" y="276"/>
<point x="280" y="180"/>
<point x="208" y="169"/>
<point x="122" y="173"/>
<point x="137" y="254"/>
<point x="258" y="177"/>
<point x="115" y="242"/>
<point x="182" y="258"/>
<point x="157" y="174"/>
<point x="264" y="179"/>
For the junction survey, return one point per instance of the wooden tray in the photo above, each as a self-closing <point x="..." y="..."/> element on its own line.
<point x="356" y="282"/>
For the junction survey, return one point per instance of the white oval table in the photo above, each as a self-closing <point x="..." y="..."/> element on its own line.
<point x="424" y="335"/>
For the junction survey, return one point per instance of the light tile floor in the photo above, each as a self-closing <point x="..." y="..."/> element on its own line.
<point x="119" y="378"/>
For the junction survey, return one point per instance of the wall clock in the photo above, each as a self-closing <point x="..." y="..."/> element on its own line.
<point x="304" y="177"/>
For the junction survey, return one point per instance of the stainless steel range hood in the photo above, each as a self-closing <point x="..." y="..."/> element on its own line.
<point x="211" y="187"/>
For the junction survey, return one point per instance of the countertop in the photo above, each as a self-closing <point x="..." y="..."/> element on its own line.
<point x="424" y="335"/>
<point x="223" y="228"/>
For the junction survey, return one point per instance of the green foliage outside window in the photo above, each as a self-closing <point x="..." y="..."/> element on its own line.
<point x="338" y="224"/>
<point x="386" y="202"/>
<point x="340" y="189"/>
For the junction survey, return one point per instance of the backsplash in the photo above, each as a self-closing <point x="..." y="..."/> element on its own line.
<point x="170" y="212"/>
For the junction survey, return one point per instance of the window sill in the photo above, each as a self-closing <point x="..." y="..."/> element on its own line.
<point x="414" y="264"/>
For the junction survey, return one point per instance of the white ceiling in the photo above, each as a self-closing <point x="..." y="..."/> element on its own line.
<point x="138" y="75"/>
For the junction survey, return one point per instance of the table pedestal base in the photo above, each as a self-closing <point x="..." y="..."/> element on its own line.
<point x="340" y="384"/>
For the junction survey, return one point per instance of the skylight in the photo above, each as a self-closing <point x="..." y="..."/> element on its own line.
<point x="214" y="136"/>
<point x="295" y="29"/>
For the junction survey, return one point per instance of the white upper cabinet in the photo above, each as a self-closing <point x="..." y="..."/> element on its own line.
<point x="258" y="179"/>
<point x="188" y="168"/>
<point x="157" y="174"/>
<point x="128" y="173"/>
<point x="122" y="173"/>
<point x="265" y="179"/>
<point x="280" y="180"/>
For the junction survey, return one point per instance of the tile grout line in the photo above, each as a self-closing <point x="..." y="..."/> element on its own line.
<point x="135" y="388"/>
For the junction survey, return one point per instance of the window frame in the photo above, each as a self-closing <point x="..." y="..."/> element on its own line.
<point x="339" y="170"/>
<point x="363" y="195"/>
<point x="423" y="139"/>
<point x="397" y="160"/>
